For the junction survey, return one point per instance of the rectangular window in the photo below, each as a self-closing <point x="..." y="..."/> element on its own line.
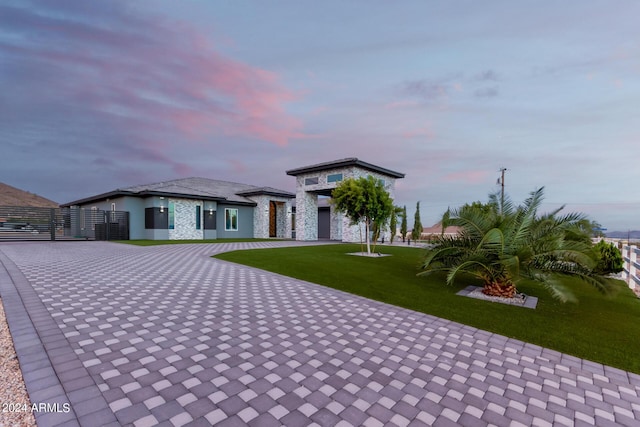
<point x="336" y="177"/>
<point x="311" y="181"/>
<point x="198" y="217"/>
<point x="210" y="219"/>
<point x="172" y="214"/>
<point x="230" y="219"/>
<point x="156" y="218"/>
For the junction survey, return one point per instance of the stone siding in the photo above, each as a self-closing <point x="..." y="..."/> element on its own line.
<point x="185" y="220"/>
<point x="306" y="213"/>
<point x="307" y="205"/>
<point x="261" y="216"/>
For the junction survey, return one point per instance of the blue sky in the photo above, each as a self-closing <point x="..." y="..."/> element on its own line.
<point x="102" y="95"/>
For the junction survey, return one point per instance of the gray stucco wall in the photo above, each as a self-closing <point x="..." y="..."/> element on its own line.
<point x="245" y="222"/>
<point x="134" y="205"/>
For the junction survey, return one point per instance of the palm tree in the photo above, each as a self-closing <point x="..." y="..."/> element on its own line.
<point x="503" y="245"/>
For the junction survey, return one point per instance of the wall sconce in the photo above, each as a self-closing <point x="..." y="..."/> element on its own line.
<point x="210" y="211"/>
<point x="161" y="209"/>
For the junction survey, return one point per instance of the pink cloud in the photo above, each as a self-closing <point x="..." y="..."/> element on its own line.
<point x="145" y="77"/>
<point x="424" y="132"/>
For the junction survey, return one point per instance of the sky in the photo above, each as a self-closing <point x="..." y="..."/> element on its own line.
<point x="100" y="95"/>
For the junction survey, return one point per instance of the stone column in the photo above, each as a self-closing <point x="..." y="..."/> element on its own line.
<point x="306" y="215"/>
<point x="336" y="223"/>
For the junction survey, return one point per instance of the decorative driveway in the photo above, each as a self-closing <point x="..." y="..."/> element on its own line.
<point x="112" y="334"/>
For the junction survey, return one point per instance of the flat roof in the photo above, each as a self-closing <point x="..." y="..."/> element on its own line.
<point x="343" y="163"/>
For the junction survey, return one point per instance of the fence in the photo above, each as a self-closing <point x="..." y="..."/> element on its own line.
<point x="29" y="223"/>
<point x="631" y="267"/>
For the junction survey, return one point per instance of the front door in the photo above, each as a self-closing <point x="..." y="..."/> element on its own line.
<point x="272" y="219"/>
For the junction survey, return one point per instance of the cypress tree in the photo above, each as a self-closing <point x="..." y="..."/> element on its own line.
<point x="393" y="224"/>
<point x="403" y="225"/>
<point x="417" y="225"/>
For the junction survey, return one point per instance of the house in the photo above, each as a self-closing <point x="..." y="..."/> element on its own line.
<point x="198" y="208"/>
<point x="203" y="208"/>
<point x="313" y="219"/>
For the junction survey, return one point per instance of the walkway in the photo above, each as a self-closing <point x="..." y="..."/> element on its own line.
<point x="166" y="335"/>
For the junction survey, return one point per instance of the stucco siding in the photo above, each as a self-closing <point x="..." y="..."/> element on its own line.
<point x="245" y="222"/>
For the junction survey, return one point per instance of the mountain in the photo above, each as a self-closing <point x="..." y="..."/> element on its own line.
<point x="635" y="234"/>
<point x="11" y="196"/>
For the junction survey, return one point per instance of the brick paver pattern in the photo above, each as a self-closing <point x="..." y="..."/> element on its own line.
<point x="171" y="336"/>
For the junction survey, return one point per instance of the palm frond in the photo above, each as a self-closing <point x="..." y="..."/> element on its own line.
<point x="555" y="287"/>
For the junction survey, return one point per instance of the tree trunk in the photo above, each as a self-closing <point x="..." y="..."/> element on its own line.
<point x="366" y="227"/>
<point x="497" y="289"/>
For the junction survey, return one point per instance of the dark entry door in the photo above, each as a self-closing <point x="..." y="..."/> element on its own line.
<point x="272" y="219"/>
<point x="324" y="223"/>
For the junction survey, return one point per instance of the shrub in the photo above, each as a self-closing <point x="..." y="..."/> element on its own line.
<point x="610" y="259"/>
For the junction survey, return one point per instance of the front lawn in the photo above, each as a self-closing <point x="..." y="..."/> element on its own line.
<point x="599" y="328"/>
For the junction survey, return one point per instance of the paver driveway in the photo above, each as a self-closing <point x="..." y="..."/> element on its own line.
<point x="166" y="335"/>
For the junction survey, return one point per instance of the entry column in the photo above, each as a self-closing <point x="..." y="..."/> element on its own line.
<point x="306" y="215"/>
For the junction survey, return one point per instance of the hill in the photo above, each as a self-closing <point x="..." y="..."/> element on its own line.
<point x="624" y="234"/>
<point x="11" y="196"/>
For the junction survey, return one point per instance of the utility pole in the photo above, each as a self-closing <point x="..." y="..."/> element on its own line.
<point x="502" y="170"/>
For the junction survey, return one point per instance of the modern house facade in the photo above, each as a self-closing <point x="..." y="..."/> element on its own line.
<point x="202" y="208"/>
<point x="319" y="180"/>
<point x="198" y="208"/>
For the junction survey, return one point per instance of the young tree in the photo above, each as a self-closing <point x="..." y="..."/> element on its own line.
<point x="417" y="225"/>
<point x="393" y="224"/>
<point x="403" y="224"/>
<point x="363" y="199"/>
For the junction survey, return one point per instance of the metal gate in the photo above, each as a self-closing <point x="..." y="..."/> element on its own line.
<point x="30" y="223"/>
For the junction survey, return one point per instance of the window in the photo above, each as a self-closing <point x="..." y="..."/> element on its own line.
<point x="336" y="177"/>
<point x="311" y="181"/>
<point x="155" y="218"/>
<point x="198" y="217"/>
<point x="231" y="219"/>
<point x="172" y="214"/>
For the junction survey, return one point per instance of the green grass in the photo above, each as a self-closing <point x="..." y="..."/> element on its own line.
<point x="180" y="242"/>
<point x="601" y="328"/>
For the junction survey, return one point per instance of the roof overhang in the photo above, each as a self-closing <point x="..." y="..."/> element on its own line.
<point x="343" y="163"/>
<point x="266" y="192"/>
<point x="150" y="193"/>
